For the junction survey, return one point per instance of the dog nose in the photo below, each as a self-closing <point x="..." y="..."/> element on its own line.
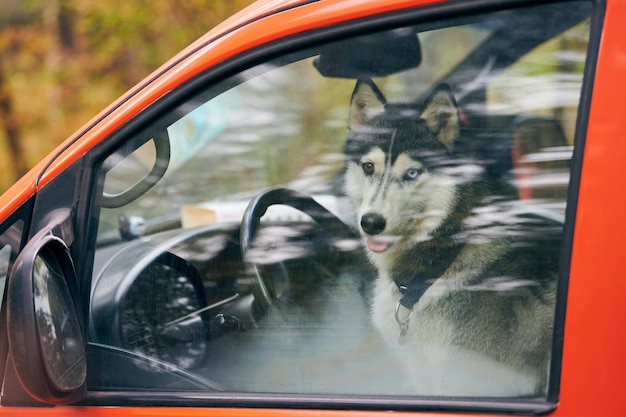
<point x="373" y="223"/>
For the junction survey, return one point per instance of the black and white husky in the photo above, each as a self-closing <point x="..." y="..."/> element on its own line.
<point x="466" y="279"/>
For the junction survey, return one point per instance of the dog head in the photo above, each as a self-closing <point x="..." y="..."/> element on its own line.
<point x="398" y="166"/>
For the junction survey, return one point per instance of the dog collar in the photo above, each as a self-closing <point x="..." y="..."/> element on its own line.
<point x="413" y="290"/>
<point x="412" y="293"/>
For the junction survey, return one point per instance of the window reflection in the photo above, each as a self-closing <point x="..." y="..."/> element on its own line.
<point x="60" y="334"/>
<point x="300" y="309"/>
<point x="5" y="256"/>
<point x="10" y="241"/>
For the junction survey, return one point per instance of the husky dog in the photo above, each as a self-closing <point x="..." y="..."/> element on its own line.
<point x="466" y="280"/>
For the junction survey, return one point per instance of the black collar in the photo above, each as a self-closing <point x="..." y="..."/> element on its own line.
<point x="439" y="260"/>
<point x="412" y="293"/>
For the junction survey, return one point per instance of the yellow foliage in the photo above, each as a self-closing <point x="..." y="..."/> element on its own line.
<point x="64" y="61"/>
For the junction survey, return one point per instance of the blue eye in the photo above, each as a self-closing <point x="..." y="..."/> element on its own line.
<point x="368" y="168"/>
<point x="411" y="174"/>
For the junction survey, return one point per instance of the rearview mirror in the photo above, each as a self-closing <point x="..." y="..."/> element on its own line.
<point x="373" y="55"/>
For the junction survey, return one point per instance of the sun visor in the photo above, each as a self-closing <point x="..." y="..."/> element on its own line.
<point x="374" y="55"/>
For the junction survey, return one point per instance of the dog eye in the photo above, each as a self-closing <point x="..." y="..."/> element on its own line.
<point x="411" y="174"/>
<point x="368" y="168"/>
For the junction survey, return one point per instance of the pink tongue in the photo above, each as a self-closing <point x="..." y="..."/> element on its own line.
<point x="377" y="245"/>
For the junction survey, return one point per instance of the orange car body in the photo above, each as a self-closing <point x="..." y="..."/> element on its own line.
<point x="594" y="352"/>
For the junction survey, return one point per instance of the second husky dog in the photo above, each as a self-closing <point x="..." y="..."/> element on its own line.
<point x="464" y="277"/>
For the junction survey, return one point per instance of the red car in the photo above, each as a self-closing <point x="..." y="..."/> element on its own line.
<point x="210" y="244"/>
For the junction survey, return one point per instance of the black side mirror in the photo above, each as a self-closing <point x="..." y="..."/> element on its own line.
<point x="45" y="331"/>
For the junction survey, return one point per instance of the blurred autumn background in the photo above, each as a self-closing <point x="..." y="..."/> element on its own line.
<point x="62" y="61"/>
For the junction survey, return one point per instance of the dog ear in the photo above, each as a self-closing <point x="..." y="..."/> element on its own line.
<point x="367" y="102"/>
<point x="441" y="114"/>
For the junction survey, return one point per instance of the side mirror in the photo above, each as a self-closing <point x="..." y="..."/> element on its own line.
<point x="45" y="331"/>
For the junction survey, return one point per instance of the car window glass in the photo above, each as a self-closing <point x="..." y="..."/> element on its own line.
<point x="380" y="234"/>
<point x="9" y="245"/>
<point x="5" y="256"/>
<point x="10" y="241"/>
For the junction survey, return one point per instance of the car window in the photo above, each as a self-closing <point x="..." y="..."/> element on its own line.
<point x="9" y="245"/>
<point x="364" y="226"/>
<point x="5" y="256"/>
<point x="10" y="241"/>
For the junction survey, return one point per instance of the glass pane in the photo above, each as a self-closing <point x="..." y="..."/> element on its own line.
<point x="5" y="257"/>
<point x="412" y="247"/>
<point x="9" y="244"/>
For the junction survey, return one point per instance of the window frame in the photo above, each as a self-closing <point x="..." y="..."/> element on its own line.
<point x="87" y="222"/>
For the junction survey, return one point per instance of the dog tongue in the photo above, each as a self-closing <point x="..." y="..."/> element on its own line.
<point x="377" y="245"/>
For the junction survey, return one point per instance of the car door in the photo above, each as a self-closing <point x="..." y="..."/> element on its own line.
<point x="219" y="253"/>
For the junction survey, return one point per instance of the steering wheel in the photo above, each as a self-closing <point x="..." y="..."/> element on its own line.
<point x="265" y="288"/>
